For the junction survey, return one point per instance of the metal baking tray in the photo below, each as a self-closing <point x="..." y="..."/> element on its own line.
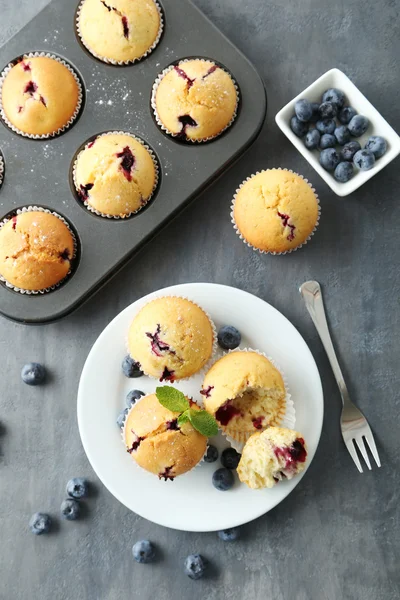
<point x="37" y="172"/>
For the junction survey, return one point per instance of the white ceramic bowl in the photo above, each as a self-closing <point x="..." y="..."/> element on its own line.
<point x="378" y="126"/>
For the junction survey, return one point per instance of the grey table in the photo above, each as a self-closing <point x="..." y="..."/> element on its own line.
<point x="336" y="536"/>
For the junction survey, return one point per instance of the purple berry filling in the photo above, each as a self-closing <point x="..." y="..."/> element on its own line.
<point x="172" y="425"/>
<point x="285" y="222"/>
<point x="20" y="109"/>
<point x="157" y="345"/>
<point x="127" y="162"/>
<point x="167" y="375"/>
<point x="14" y="223"/>
<point x="257" y="422"/>
<point x="65" y="254"/>
<point x="30" y="88"/>
<point x="295" y="453"/>
<point x="226" y="412"/>
<point x="166" y="474"/>
<point x="124" y="19"/>
<point x="210" y="70"/>
<point x="186" y="121"/>
<point x="125" y="27"/>
<point x="91" y="143"/>
<point x="185" y="76"/>
<point x="26" y="66"/>
<point x="84" y="191"/>
<point x="207" y="391"/>
<point x="136" y="443"/>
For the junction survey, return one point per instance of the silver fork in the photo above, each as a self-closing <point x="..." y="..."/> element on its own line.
<point x="353" y="424"/>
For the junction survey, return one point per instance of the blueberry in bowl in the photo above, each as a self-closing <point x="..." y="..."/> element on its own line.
<point x="342" y="134"/>
<point x="223" y="479"/>
<point x="229" y="337"/>
<point x="230" y="458"/>
<point x="377" y="145"/>
<point x="346" y="114"/>
<point x="335" y="96"/>
<point x="327" y="141"/>
<point x="298" y="127"/>
<point x="344" y="172"/>
<point x="358" y="125"/>
<point x="312" y="139"/>
<point x="328" y="110"/>
<point x="364" y="160"/>
<point x="326" y="126"/>
<point x="349" y="150"/>
<point x="329" y="159"/>
<point x="303" y="110"/>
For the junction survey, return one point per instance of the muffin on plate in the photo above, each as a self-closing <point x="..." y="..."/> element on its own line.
<point x="36" y="249"/>
<point x="119" y="31"/>
<point x="157" y="443"/>
<point x="245" y="393"/>
<point x="171" y="338"/>
<point x="275" y="211"/>
<point x="271" y="456"/>
<point x="195" y="100"/>
<point x="40" y="96"/>
<point x="115" y="175"/>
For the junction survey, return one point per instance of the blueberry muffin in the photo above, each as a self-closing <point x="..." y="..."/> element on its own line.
<point x="36" y="249"/>
<point x="115" y="175"/>
<point x="40" y="96"/>
<point x="271" y="456"/>
<point x="119" y="30"/>
<point x="195" y="100"/>
<point x="157" y="443"/>
<point x="275" y="211"/>
<point x="171" y="338"/>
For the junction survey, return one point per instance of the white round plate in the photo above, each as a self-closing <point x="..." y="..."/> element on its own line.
<point x="191" y="502"/>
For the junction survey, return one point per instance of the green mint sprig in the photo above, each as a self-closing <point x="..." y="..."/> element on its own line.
<point x="175" y="401"/>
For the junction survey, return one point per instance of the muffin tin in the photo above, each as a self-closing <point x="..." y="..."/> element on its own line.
<point x="117" y="98"/>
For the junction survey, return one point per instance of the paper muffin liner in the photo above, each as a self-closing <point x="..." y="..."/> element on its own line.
<point x="78" y="107"/>
<point x="213" y="350"/>
<point x="91" y="208"/>
<point x="154" y="105"/>
<point x="111" y="61"/>
<point x="1" y="169"/>
<point x="26" y="209"/>
<point x="236" y="228"/>
<point x="237" y="439"/>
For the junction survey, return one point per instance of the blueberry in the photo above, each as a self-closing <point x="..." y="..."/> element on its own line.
<point x="364" y="160"/>
<point x="77" y="488"/>
<point x="143" y="551"/>
<point x="343" y="172"/>
<point x="230" y="458"/>
<point x="229" y="535"/>
<point x="303" y="110"/>
<point x="346" y="114"/>
<point x="130" y="367"/>
<point x="342" y="134"/>
<point x="329" y="159"/>
<point x="328" y="110"/>
<point x="326" y="125"/>
<point x="121" y="418"/>
<point x="195" y="566"/>
<point x="33" y="374"/>
<point x="223" y="479"/>
<point x="211" y="455"/>
<point x="70" y="509"/>
<point x="349" y="150"/>
<point x="312" y="138"/>
<point x="377" y="145"/>
<point x="315" y="112"/>
<point x="298" y="127"/>
<point x="132" y="396"/>
<point x="334" y="95"/>
<point x="40" y="523"/>
<point x="327" y="141"/>
<point x="229" y="337"/>
<point x="358" y="125"/>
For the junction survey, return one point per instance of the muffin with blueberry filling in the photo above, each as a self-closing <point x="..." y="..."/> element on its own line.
<point x="171" y="338"/>
<point x="115" y="175"/>
<point x="156" y="441"/>
<point x="195" y="100"/>
<point x="271" y="456"/>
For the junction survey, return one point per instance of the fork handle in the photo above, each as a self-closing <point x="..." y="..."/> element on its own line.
<point x="312" y="296"/>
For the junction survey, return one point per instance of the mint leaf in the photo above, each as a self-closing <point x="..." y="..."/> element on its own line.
<point x="183" y="418"/>
<point x="172" y="399"/>
<point x="203" y="422"/>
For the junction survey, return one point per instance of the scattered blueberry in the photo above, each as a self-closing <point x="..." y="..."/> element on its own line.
<point x="342" y="134"/>
<point x="303" y="110"/>
<point x="70" y="509"/>
<point x="327" y="141"/>
<point x="121" y="418"/>
<point x="329" y="159"/>
<point x="229" y="337"/>
<point x="364" y="160"/>
<point x="328" y="110"/>
<point x="346" y="114"/>
<point x="143" y="551"/>
<point x="77" y="488"/>
<point x="211" y="455"/>
<point x="343" y="172"/>
<point x="334" y="95"/>
<point x="229" y="535"/>
<point x="349" y="150"/>
<point x="195" y="566"/>
<point x="315" y="112"/>
<point x="132" y="396"/>
<point x="326" y="125"/>
<point x="377" y="145"/>
<point x="298" y="127"/>
<point x="311" y="141"/>
<point x="223" y="479"/>
<point x="358" y="125"/>
<point x="230" y="458"/>
<point x="40" y="523"/>
<point x="33" y="374"/>
<point x="130" y="367"/>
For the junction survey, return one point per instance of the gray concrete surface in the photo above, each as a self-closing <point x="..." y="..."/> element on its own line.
<point x="337" y="536"/>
